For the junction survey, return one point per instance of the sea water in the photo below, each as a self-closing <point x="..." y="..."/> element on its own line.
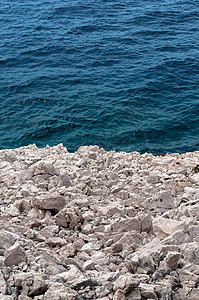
<point x="123" y="75"/>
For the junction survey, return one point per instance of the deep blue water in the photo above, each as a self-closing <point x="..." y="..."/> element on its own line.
<point x="120" y="74"/>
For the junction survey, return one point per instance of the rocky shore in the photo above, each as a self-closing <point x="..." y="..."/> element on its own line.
<point x="98" y="225"/>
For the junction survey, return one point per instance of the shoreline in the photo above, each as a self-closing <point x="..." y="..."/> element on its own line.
<point x="98" y="224"/>
<point x="61" y="146"/>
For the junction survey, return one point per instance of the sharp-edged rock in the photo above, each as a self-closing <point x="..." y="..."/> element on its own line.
<point x="14" y="255"/>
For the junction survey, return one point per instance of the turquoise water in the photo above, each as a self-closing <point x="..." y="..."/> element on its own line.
<point x="120" y="74"/>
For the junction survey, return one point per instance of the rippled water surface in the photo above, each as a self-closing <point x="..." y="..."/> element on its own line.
<point x="120" y="74"/>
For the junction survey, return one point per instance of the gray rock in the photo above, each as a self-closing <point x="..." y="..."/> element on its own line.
<point x="69" y="217"/>
<point x="49" y="202"/>
<point x="126" y="283"/>
<point x="172" y="259"/>
<point x="194" y="231"/>
<point x="45" y="168"/>
<point x="20" y="278"/>
<point x="119" y="295"/>
<point x="7" y="239"/>
<point x="38" y="287"/>
<point x="147" y="263"/>
<point x="147" y="291"/>
<point x="14" y="255"/>
<point x="64" y="180"/>
<point x="58" y="289"/>
<point x="163" y="227"/>
<point x="134" y="295"/>
<point x="146" y="223"/>
<point x="102" y="291"/>
<point x="176" y="238"/>
<point x="117" y="247"/>
<point x="127" y="225"/>
<point x="89" y="265"/>
<point x="55" y="241"/>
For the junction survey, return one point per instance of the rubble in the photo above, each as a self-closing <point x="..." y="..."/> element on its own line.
<point x="98" y="225"/>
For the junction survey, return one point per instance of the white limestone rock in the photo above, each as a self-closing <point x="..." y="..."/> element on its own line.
<point x="87" y="218"/>
<point x="3" y="286"/>
<point x="163" y="227"/>
<point x="7" y="239"/>
<point x="57" y="289"/>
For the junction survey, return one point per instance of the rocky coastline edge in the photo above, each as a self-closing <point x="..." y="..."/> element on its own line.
<point x="98" y="225"/>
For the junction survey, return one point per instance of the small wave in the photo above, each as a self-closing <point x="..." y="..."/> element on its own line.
<point x="9" y="61"/>
<point x="44" y="131"/>
<point x="71" y="10"/>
